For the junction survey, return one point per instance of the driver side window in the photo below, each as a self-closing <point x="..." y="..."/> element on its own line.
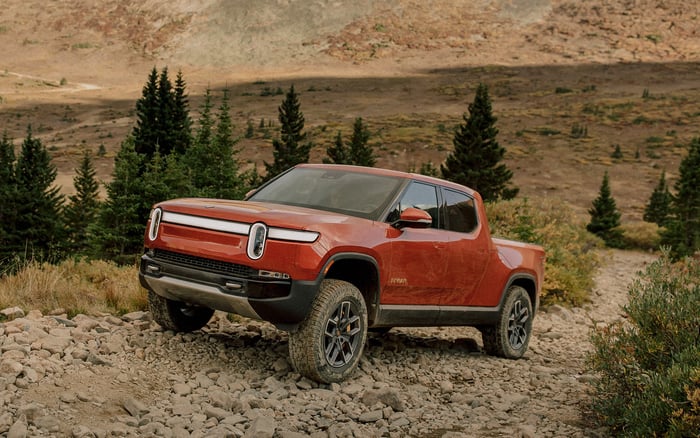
<point x="417" y="195"/>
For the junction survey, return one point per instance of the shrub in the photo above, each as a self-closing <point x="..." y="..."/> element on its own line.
<point x="640" y="235"/>
<point x="649" y="364"/>
<point x="579" y="131"/>
<point x="617" y="153"/>
<point x="571" y="256"/>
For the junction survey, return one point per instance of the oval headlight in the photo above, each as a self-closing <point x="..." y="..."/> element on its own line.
<point x="156" y="216"/>
<point x="256" y="240"/>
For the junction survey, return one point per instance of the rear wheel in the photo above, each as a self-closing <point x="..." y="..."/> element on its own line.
<point x="328" y="344"/>
<point x="176" y="315"/>
<point x="510" y="337"/>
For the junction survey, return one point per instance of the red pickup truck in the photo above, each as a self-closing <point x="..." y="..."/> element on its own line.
<point x="327" y="252"/>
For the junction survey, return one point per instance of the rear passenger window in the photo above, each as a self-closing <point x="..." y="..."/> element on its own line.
<point x="460" y="212"/>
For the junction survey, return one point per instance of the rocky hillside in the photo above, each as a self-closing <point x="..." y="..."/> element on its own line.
<point x="275" y="34"/>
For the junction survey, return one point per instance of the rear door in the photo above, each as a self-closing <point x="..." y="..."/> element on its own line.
<point x="467" y="250"/>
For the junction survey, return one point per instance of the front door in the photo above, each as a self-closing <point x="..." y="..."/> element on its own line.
<point x="419" y="261"/>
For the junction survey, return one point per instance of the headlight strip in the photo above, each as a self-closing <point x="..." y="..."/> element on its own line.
<point x="241" y="228"/>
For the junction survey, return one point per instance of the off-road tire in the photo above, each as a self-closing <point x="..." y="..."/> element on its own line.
<point x="176" y="315"/>
<point x="328" y="344"/>
<point x="510" y="337"/>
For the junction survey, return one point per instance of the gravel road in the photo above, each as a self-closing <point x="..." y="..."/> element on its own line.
<point x="95" y="376"/>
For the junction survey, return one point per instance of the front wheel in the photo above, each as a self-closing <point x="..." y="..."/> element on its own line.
<point x="177" y="316"/>
<point x="328" y="344"/>
<point x="511" y="335"/>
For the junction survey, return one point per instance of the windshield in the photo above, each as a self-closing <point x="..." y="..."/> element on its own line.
<point x="352" y="193"/>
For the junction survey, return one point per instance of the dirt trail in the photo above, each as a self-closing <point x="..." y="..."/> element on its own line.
<point x="97" y="376"/>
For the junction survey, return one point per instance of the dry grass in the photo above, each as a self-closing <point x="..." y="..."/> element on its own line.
<point x="641" y="235"/>
<point x="89" y="287"/>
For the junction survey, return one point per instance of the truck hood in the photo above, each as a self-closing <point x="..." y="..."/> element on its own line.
<point x="248" y="212"/>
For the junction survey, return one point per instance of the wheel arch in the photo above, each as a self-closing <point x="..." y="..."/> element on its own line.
<point x="527" y="282"/>
<point x="362" y="271"/>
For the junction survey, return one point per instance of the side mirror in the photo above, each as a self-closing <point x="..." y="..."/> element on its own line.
<point x="414" y="218"/>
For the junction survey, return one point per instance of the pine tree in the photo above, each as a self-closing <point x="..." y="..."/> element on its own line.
<point x="338" y="153"/>
<point x="211" y="160"/>
<point x="118" y="232"/>
<point x="361" y="154"/>
<point x="291" y="148"/>
<point x="683" y="227"/>
<point x="605" y="219"/>
<point x="658" y="209"/>
<point x="165" y="123"/>
<point x="8" y="194"/>
<point x="162" y="113"/>
<point x="206" y="121"/>
<point x="38" y="230"/>
<point x="225" y="166"/>
<point x="7" y="161"/>
<point x="146" y="132"/>
<point x="82" y="209"/>
<point x="251" y="179"/>
<point x="428" y="169"/>
<point x="476" y="159"/>
<point x="182" y="124"/>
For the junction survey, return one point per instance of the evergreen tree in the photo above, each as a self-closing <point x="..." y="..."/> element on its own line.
<point x="338" y="153"/>
<point x="251" y="179"/>
<point x="476" y="159"/>
<point x="162" y="113"/>
<point x="249" y="130"/>
<point x="291" y="148"/>
<point x="7" y="161"/>
<point x="206" y="121"/>
<point x="605" y="219"/>
<point x="165" y="123"/>
<point x="175" y="176"/>
<point x="81" y="211"/>
<point x="225" y="165"/>
<point x="683" y="227"/>
<point x="658" y="209"/>
<point x="211" y="160"/>
<point x="361" y="154"/>
<point x="182" y="124"/>
<point x="38" y="230"/>
<point x="428" y="169"/>
<point x="146" y="132"/>
<point x="8" y="194"/>
<point x="121" y="220"/>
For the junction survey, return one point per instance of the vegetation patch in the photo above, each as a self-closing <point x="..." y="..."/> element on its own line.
<point x="572" y="258"/>
<point x="649" y="363"/>
<point x="640" y="235"/>
<point x="73" y="287"/>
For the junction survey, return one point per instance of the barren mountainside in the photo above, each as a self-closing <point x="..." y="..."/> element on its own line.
<point x="273" y="32"/>
<point x="555" y="69"/>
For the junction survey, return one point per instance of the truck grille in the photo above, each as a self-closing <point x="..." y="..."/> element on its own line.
<point x="204" y="264"/>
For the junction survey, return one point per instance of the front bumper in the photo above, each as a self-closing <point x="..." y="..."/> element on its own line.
<point x="284" y="303"/>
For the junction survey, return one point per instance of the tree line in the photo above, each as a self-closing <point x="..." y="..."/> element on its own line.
<point x="168" y="154"/>
<point x="677" y="214"/>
